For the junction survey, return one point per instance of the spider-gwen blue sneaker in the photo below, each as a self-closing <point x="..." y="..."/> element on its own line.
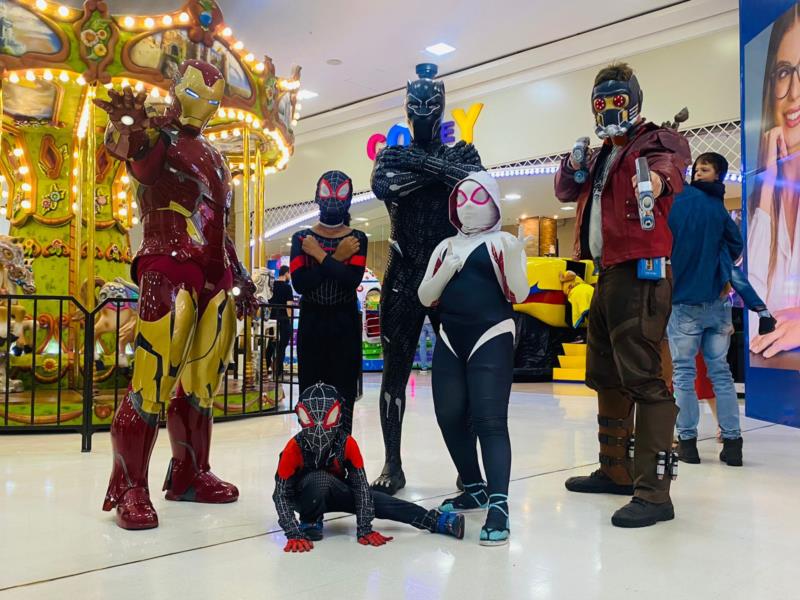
<point x="474" y="498"/>
<point x="312" y="530"/>
<point x="495" y="532"/>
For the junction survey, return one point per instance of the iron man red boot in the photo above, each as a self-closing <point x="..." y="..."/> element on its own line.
<point x="189" y="477"/>
<point x="133" y="435"/>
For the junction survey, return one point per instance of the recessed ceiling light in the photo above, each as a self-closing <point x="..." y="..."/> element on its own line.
<point x="513" y="196"/>
<point x="334" y="62"/>
<point x="306" y="95"/>
<point x="369" y="235"/>
<point x="440" y="49"/>
<point x="361" y="219"/>
<point x="567" y="208"/>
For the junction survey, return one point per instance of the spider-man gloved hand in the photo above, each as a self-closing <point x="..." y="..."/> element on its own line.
<point x="373" y="538"/>
<point x="298" y="545"/>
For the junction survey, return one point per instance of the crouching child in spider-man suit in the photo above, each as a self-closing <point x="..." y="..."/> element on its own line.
<point x="321" y="470"/>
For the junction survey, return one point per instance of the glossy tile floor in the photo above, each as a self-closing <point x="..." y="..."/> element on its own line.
<point x="735" y="536"/>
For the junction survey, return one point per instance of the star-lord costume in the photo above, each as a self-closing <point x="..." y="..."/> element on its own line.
<point x="628" y="314"/>
<point x="188" y="273"/>
<point x="415" y="183"/>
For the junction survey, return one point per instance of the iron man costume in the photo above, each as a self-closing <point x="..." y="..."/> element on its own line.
<point x="188" y="273"/>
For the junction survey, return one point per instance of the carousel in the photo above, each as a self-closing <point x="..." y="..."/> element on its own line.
<point x="68" y="209"/>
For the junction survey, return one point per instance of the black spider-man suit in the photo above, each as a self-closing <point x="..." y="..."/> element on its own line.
<point x="321" y="470"/>
<point x="414" y="182"/>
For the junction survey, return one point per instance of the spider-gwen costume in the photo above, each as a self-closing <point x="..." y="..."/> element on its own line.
<point x="321" y="470"/>
<point x="474" y="278"/>
<point x="414" y="182"/>
<point x="186" y="269"/>
<point x="329" y="332"/>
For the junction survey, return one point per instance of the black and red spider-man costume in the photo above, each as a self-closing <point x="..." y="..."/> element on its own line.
<point x="415" y="183"/>
<point x="329" y="332"/>
<point x="321" y="470"/>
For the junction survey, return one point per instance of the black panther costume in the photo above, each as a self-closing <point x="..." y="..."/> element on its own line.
<point x="321" y="470"/>
<point x="414" y="182"/>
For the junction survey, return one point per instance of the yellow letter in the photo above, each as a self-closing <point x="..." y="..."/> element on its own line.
<point x="466" y="121"/>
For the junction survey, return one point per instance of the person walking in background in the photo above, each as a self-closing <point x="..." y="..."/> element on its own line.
<point x="426" y="335"/>
<point x="282" y="298"/>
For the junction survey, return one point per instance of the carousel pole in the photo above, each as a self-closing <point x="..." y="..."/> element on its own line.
<point x="248" y="251"/>
<point x="258" y="221"/>
<point x="90" y="184"/>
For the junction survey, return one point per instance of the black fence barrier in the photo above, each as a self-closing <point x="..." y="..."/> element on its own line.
<point x="66" y="368"/>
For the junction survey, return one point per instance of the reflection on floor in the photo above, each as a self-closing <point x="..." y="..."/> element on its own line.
<point x="735" y="535"/>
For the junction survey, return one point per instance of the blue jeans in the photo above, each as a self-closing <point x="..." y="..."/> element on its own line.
<point x="707" y="328"/>
<point x="425" y="335"/>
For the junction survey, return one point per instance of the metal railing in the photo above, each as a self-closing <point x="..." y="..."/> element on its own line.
<point x="64" y="367"/>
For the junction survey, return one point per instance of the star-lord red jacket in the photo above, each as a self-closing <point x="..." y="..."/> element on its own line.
<point x="668" y="155"/>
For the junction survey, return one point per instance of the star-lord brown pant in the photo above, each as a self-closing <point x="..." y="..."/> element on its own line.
<point x="627" y="321"/>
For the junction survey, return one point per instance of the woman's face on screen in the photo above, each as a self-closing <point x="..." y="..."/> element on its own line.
<point x="786" y="87"/>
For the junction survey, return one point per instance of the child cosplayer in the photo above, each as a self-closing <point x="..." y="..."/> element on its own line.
<point x="321" y="470"/>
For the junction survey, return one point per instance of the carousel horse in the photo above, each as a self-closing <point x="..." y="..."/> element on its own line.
<point x="106" y="322"/>
<point x="16" y="275"/>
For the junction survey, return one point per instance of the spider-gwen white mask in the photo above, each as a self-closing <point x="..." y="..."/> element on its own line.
<point x="473" y="204"/>
<point x="320" y="414"/>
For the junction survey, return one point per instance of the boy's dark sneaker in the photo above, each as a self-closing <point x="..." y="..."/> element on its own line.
<point x="312" y="531"/>
<point x="597" y="483"/>
<point x="732" y="452"/>
<point x="687" y="452"/>
<point x="641" y="513"/>
<point x="448" y="523"/>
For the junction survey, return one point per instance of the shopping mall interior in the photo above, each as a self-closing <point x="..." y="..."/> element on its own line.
<point x="261" y="214"/>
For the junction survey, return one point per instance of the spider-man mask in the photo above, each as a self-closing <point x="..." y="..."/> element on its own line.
<point x="320" y="414"/>
<point x="334" y="194"/>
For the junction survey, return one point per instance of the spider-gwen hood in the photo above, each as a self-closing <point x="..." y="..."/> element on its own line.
<point x="475" y="206"/>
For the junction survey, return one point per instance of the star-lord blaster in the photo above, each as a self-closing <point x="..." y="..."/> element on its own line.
<point x="580" y="156"/>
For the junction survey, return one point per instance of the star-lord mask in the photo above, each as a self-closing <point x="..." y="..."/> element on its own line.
<point x="616" y="106"/>
<point x="198" y="89"/>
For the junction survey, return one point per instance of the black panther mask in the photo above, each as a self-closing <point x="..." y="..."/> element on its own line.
<point x="319" y="412"/>
<point x="334" y="194"/>
<point x="616" y="106"/>
<point x="425" y="104"/>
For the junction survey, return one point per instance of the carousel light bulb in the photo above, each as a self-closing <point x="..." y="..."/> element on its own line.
<point x="256" y="123"/>
<point x="149" y="23"/>
<point x="260" y="68"/>
<point x="26" y="187"/>
<point x="241" y="166"/>
<point x="249" y="57"/>
<point x="41" y="4"/>
<point x="236" y="181"/>
<point x="222" y="113"/>
<point x="166" y="20"/>
<point x="48" y="75"/>
<point x="26" y="204"/>
<point x="212" y="136"/>
<point x="125" y="179"/>
<point x="23" y="170"/>
<point x="155" y="93"/>
<point x="122" y="195"/>
<point x="123" y="212"/>
<point x="13" y="78"/>
<point x="227" y="32"/>
<point x="18" y="152"/>
<point x="135" y="220"/>
<point x="240" y="115"/>
<point x="75" y="204"/>
<point x="30" y="75"/>
<point x="139" y="86"/>
<point x="63" y="11"/>
<point x="63" y="76"/>
<point x="183" y="17"/>
<point x="248" y="118"/>
<point x="75" y="191"/>
<point x="238" y="45"/>
<point x="75" y="171"/>
<point x="237" y="132"/>
<point x="80" y="80"/>
<point x="134" y="205"/>
<point x="75" y="154"/>
<point x="125" y="84"/>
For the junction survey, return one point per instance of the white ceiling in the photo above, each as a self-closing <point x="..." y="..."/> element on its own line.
<point x="380" y="42"/>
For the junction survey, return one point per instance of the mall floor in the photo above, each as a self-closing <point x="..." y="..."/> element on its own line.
<point x="735" y="534"/>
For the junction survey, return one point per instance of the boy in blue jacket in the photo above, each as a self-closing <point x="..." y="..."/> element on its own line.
<point x="706" y="245"/>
